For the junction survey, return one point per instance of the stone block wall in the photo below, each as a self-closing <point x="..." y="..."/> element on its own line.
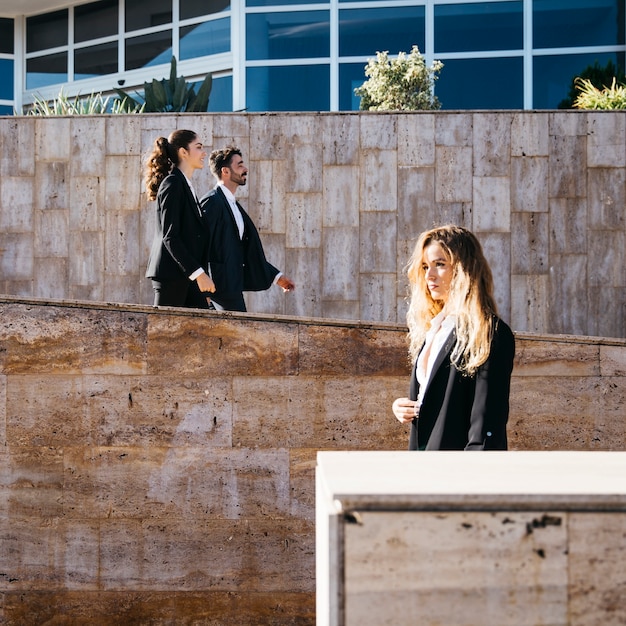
<point x="339" y="199"/>
<point x="157" y="467"/>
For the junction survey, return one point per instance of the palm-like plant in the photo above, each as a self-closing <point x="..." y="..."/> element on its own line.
<point x="590" y="97"/>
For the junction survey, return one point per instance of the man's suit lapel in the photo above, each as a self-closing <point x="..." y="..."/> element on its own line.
<point x="229" y="211"/>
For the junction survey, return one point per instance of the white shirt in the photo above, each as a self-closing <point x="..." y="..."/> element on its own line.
<point x="440" y="328"/>
<point x="233" y="207"/>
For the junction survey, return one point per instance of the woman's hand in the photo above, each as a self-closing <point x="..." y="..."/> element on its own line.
<point x="405" y="410"/>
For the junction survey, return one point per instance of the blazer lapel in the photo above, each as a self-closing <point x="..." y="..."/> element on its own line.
<point x="444" y="353"/>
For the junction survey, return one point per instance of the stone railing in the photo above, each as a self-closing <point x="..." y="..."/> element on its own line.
<point x="158" y="465"/>
<point x="339" y="199"/>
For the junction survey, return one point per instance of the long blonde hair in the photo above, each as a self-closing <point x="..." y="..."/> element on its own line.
<point x="470" y="297"/>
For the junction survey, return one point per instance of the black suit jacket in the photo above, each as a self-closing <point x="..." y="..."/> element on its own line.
<point x="236" y="264"/>
<point x="461" y="412"/>
<point x="179" y="246"/>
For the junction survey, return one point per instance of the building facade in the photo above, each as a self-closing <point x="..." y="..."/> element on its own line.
<point x="299" y="55"/>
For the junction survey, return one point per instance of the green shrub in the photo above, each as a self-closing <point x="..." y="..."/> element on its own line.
<point x="94" y="104"/>
<point x="590" y="97"/>
<point x="401" y="84"/>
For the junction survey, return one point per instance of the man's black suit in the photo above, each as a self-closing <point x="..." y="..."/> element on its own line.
<point x="180" y="243"/>
<point x="461" y="412"/>
<point x="236" y="264"/>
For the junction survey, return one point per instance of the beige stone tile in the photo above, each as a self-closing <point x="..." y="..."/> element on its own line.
<point x="529" y="134"/>
<point x="416" y="140"/>
<point x="569" y="310"/>
<point x="606" y="193"/>
<point x="606" y="258"/>
<point x="597" y="550"/>
<point x="568" y="226"/>
<point x="3" y="413"/>
<point x="123" y="135"/>
<point x="124" y="183"/>
<point x="568" y="158"/>
<point x="339" y="144"/>
<point x="397" y="569"/>
<point x="304" y="220"/>
<point x="302" y="463"/>
<point x="497" y="251"/>
<point x="122" y="288"/>
<point x="529" y="184"/>
<point x="268" y="202"/>
<point x="606" y="139"/>
<point x="416" y="200"/>
<point x="613" y="360"/>
<point x="340" y="200"/>
<point x="530" y="252"/>
<point x="568" y="125"/>
<point x="340" y="309"/>
<point x="86" y="263"/>
<point x="453" y="177"/>
<point x="18" y="196"/>
<point x="378" y="297"/>
<point x="453" y="129"/>
<point x="87" y="205"/>
<point x="17" y="137"/>
<point x="549" y="358"/>
<point x="16" y="258"/>
<point x="304" y="267"/>
<point x="491" y="203"/>
<point x="378" y="186"/>
<point x="53" y="139"/>
<point x="51" y="185"/>
<point x="121" y="246"/>
<point x="51" y="279"/>
<point x="492" y="144"/>
<point x="51" y="234"/>
<point x="88" y="144"/>
<point x="340" y="261"/>
<point x="529" y="293"/>
<point x="378" y="234"/>
<point x="378" y="131"/>
<point x="209" y="346"/>
<point x="302" y="167"/>
<point x="607" y="314"/>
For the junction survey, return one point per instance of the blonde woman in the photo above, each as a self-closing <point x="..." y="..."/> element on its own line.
<point x="461" y="350"/>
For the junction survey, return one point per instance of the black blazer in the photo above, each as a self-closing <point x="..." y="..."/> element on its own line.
<point x="461" y="412"/>
<point x="179" y="246"/>
<point x="236" y="264"/>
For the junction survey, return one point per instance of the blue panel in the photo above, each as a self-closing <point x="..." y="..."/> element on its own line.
<point x="292" y="88"/>
<point x="271" y="3"/>
<point x="351" y="76"/>
<point x="204" y="39"/>
<point x="589" y="23"/>
<point x="553" y="75"/>
<point x="95" y="61"/>
<point x="221" y="95"/>
<point x="393" y="29"/>
<point x="479" y="27"/>
<point x="7" y="40"/>
<point x="297" y="35"/>
<point x="47" y="70"/>
<point x="6" y="79"/>
<point x="481" y="84"/>
<point x="149" y="50"/>
<point x="5" y="109"/>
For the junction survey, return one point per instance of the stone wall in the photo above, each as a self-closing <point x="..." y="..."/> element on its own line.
<point x="157" y="467"/>
<point x="339" y="199"/>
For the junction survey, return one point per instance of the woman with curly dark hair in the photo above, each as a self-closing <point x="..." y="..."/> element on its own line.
<point x="462" y="352"/>
<point x="178" y="262"/>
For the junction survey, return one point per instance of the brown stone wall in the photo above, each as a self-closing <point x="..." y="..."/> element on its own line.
<point x="157" y="466"/>
<point x="339" y="199"/>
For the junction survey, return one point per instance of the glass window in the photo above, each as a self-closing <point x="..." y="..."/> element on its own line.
<point x="6" y="36"/>
<point x="351" y="76"/>
<point x="589" y="23"/>
<point x="6" y="79"/>
<point x="147" y="50"/>
<point x="46" y="70"/>
<point x="553" y="75"/>
<point x="297" y="35"/>
<point x="196" y="8"/>
<point x="479" y="26"/>
<point x="147" y="13"/>
<point x="94" y="20"/>
<point x="46" y="31"/>
<point x="367" y="31"/>
<point x="292" y="88"/>
<point x="481" y="84"/>
<point x="200" y="40"/>
<point x="270" y="3"/>
<point x="221" y="99"/>
<point x="5" y="109"/>
<point x="95" y="61"/>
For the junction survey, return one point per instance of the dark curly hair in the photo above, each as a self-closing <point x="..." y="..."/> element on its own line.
<point x="163" y="157"/>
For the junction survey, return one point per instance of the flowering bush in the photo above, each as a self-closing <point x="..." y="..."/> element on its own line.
<point x="400" y="84"/>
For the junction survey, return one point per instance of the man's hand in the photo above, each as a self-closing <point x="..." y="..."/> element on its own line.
<point x="205" y="283"/>
<point x="286" y="283"/>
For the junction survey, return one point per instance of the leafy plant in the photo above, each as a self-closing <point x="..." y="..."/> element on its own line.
<point x="94" y="104"/>
<point x="590" y="97"/>
<point x="598" y="75"/>
<point x="400" y="84"/>
<point x="171" y="94"/>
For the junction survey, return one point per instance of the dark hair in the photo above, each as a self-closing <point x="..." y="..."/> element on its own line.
<point x="164" y="157"/>
<point x="222" y="158"/>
